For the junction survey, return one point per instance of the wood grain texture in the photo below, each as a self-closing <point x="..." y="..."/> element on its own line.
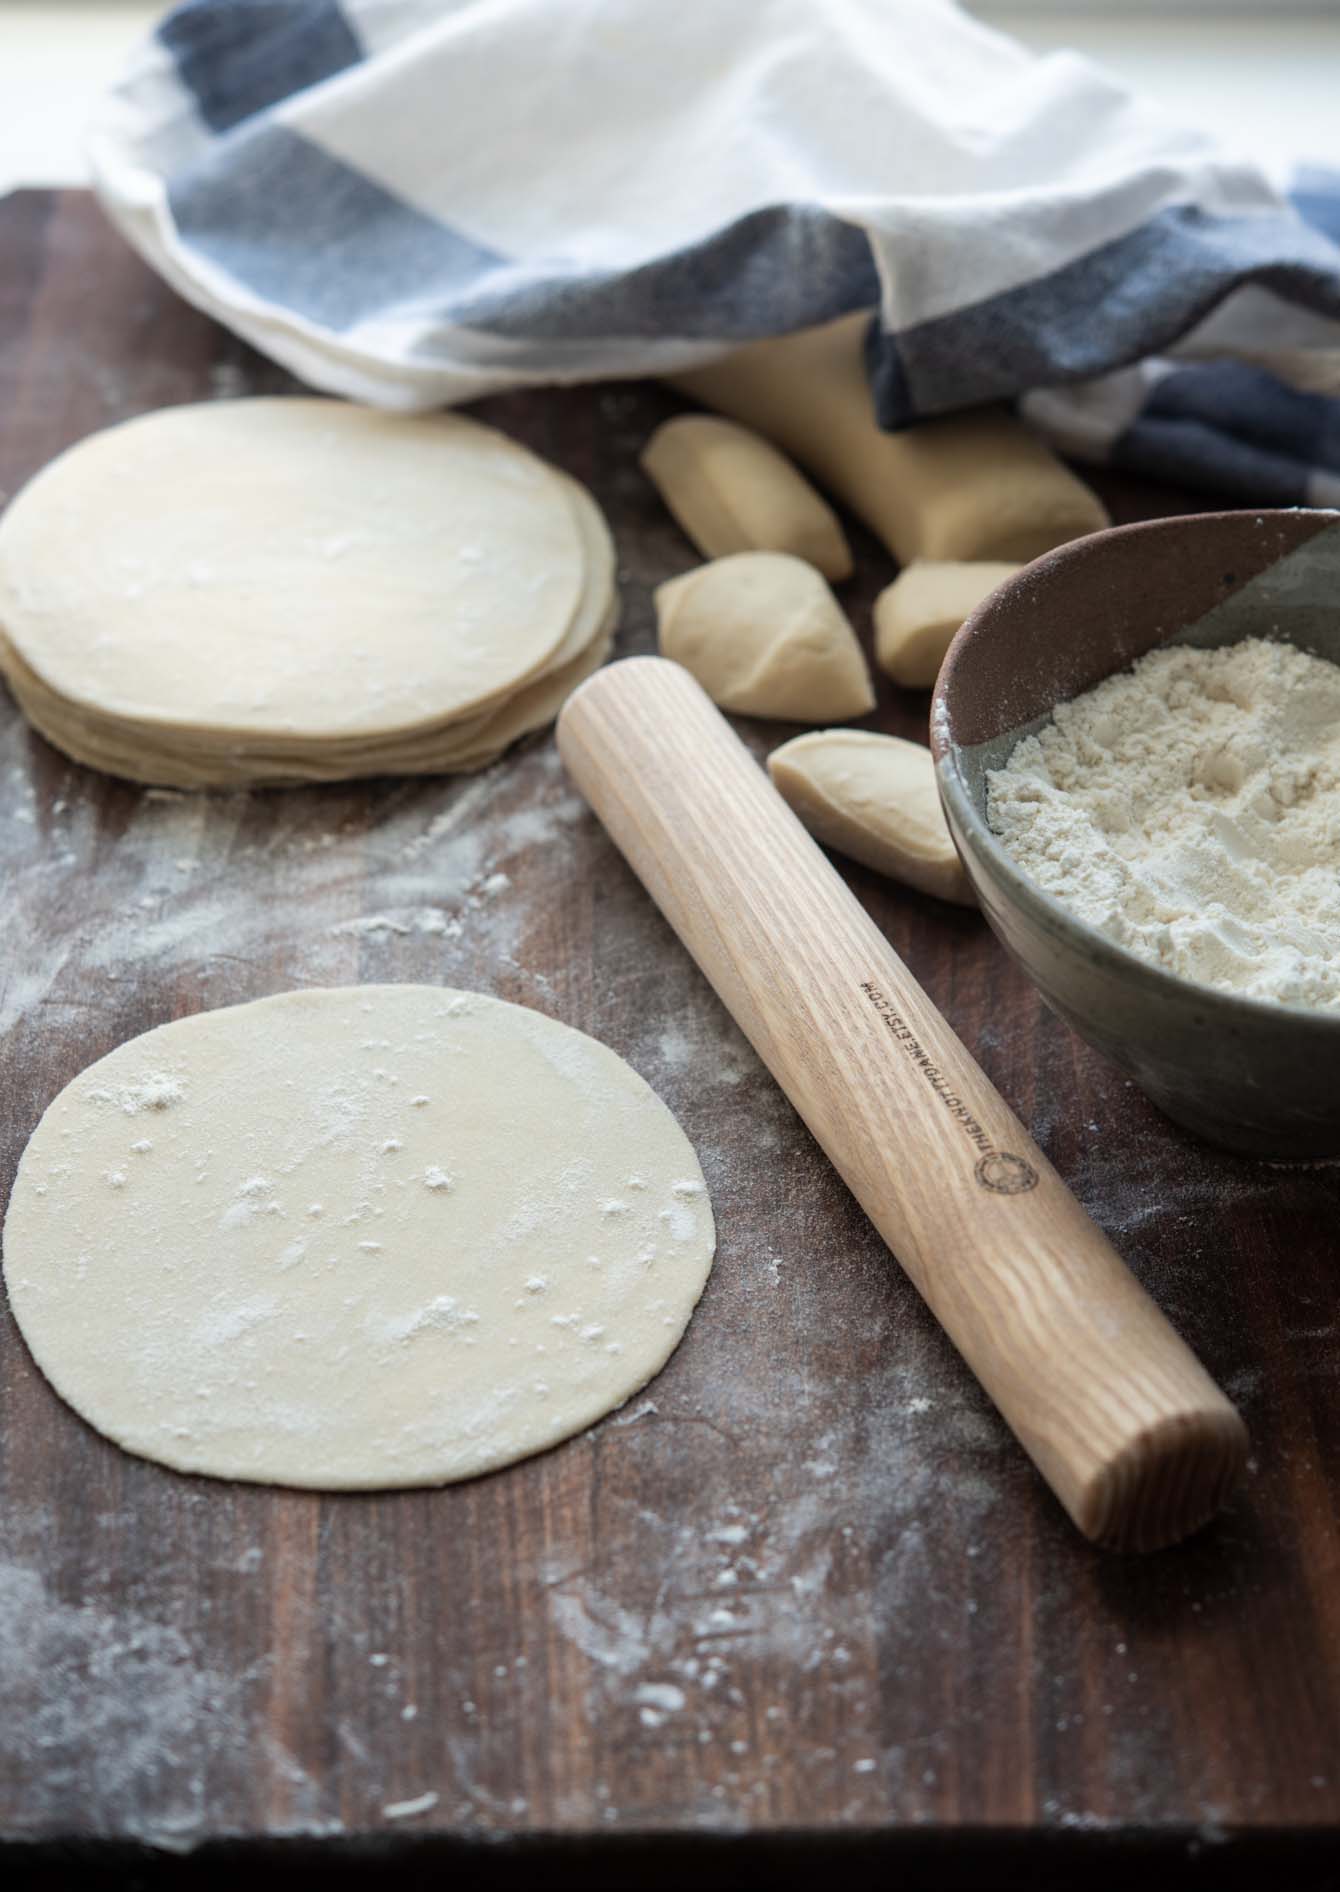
<point x="893" y="1649"/>
<point x="1127" y="1428"/>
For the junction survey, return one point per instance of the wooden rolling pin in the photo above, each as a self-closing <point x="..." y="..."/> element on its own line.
<point x="1122" y="1421"/>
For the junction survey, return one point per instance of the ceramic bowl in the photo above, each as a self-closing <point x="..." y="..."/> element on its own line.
<point x="1249" y="1074"/>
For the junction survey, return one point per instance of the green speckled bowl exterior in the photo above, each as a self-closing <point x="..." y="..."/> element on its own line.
<point x="1251" y="1075"/>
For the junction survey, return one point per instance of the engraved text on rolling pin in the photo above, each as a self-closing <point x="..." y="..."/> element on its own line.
<point x="997" y="1170"/>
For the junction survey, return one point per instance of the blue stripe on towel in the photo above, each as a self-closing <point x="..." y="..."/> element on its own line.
<point x="311" y="234"/>
<point x="768" y="273"/>
<point x="1234" y="428"/>
<point x="1248" y="405"/>
<point x="240" y="57"/>
<point x="1125" y="300"/>
<point x="1189" y="453"/>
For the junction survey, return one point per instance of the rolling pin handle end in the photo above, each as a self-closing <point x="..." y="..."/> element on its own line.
<point x="1168" y="1482"/>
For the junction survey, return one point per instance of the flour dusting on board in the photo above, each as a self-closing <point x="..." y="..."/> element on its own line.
<point x="435" y="870"/>
<point x="130" y="1733"/>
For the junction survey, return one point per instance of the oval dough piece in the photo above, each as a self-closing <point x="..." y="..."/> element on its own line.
<point x="355" y="1238"/>
<point x="732" y="491"/>
<point x="874" y="798"/>
<point x="919" y="614"/>
<point x="765" y="636"/>
<point x="291" y="568"/>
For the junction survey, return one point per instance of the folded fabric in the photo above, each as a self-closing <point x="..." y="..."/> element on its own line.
<point x="416" y="202"/>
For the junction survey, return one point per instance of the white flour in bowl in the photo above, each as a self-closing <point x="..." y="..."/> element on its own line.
<point x="1190" y="809"/>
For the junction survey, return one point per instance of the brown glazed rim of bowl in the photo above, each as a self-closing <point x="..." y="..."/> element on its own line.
<point x="1053" y="914"/>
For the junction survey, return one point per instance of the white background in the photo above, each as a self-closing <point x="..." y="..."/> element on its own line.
<point x="1264" y="74"/>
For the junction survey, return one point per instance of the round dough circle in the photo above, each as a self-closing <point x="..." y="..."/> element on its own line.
<point x="290" y="567"/>
<point x="355" y="1238"/>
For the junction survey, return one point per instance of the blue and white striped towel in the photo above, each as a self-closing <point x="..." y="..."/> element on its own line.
<point x="415" y="202"/>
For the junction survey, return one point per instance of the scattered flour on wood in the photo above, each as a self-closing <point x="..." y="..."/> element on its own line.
<point x="120" y="1719"/>
<point x="441" y="866"/>
<point x="410" y="1809"/>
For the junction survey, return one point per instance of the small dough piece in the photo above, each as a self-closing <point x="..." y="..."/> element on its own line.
<point x="917" y="616"/>
<point x="355" y="1238"/>
<point x="733" y="492"/>
<point x="873" y="797"/>
<point x="765" y="636"/>
<point x="974" y="485"/>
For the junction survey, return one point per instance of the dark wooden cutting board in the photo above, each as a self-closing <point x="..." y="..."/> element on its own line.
<point x="804" y="1602"/>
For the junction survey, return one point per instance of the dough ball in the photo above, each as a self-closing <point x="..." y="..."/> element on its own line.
<point x="918" y="615"/>
<point x="765" y="636"/>
<point x="732" y="491"/>
<point x="874" y="798"/>
<point x="355" y="1238"/>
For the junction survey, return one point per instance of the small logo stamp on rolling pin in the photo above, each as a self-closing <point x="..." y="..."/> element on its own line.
<point x="997" y="1170"/>
<point x="1006" y="1175"/>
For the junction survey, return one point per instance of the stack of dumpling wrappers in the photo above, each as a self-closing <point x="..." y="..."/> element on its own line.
<point x="287" y="590"/>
